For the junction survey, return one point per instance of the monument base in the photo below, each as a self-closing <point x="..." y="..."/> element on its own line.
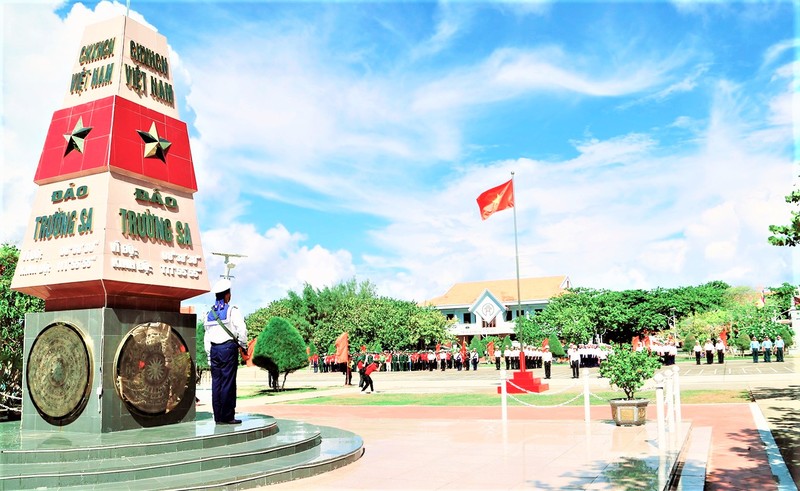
<point x="103" y="370"/>
<point x="521" y="382"/>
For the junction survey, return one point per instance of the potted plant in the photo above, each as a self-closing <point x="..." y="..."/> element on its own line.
<point x="628" y="370"/>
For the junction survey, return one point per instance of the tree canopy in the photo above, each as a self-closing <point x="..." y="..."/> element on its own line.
<point x="321" y="315"/>
<point x="280" y="349"/>
<point x="581" y="315"/>
<point x="13" y="307"/>
<point x="788" y="235"/>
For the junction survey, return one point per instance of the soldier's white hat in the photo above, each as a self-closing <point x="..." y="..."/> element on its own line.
<point x="221" y="286"/>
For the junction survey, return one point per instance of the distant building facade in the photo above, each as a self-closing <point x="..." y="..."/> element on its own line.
<point x="489" y="308"/>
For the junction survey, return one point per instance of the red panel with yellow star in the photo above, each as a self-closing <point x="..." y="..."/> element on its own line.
<point x="115" y="134"/>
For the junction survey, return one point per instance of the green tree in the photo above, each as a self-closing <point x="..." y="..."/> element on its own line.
<point x="688" y="343"/>
<point x="787" y="235"/>
<point x="291" y="308"/>
<point x="280" y="349"/>
<point x="555" y="346"/>
<point x="201" y="360"/>
<point x="755" y="321"/>
<point x="13" y="307"/>
<point x="478" y="344"/>
<point x="629" y="369"/>
<point x="703" y="326"/>
<point x="742" y="341"/>
<point x="572" y="315"/>
<point x="781" y="297"/>
<point x="529" y="331"/>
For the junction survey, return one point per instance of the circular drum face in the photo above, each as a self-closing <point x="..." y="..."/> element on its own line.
<point x="59" y="373"/>
<point x="153" y="369"/>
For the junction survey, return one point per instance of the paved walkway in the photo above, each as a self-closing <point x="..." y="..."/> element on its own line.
<point x="463" y="447"/>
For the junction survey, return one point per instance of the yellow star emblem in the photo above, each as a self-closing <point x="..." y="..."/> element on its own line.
<point x="76" y="137"/>
<point x="154" y="146"/>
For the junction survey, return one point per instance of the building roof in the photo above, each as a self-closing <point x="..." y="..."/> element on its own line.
<point x="531" y="289"/>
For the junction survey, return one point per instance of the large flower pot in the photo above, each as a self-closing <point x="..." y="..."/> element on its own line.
<point x="629" y="412"/>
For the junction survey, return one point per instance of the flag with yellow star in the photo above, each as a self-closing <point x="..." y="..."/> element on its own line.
<point x="496" y="199"/>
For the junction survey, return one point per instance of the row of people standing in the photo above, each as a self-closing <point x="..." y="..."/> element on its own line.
<point x="766" y="348"/>
<point x="403" y="361"/>
<point x="708" y="350"/>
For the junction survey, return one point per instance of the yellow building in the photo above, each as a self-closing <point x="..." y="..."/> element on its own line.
<point x="488" y="308"/>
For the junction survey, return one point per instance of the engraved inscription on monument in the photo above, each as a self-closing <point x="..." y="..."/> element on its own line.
<point x="153" y="369"/>
<point x="59" y="373"/>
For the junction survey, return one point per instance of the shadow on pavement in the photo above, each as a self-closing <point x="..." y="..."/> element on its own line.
<point x="781" y="408"/>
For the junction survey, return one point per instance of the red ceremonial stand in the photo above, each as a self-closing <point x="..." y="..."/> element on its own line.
<point x="523" y="381"/>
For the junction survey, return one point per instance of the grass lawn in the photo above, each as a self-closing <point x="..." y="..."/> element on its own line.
<point x="488" y="399"/>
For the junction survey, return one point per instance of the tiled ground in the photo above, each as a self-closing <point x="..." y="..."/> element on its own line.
<point x="469" y="448"/>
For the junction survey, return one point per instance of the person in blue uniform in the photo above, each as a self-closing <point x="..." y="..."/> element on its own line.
<point x="222" y="349"/>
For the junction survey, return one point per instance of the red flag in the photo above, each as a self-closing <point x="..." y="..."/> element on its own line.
<point x="342" y="348"/>
<point x="251" y="346"/>
<point x="490" y="349"/>
<point x="723" y="336"/>
<point x="545" y="343"/>
<point x="635" y="342"/>
<point x="496" y="199"/>
<point x="464" y="348"/>
<point x="363" y="348"/>
<point x="438" y="347"/>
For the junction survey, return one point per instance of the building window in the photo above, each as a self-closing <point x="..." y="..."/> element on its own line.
<point x="508" y="315"/>
<point x="467" y="318"/>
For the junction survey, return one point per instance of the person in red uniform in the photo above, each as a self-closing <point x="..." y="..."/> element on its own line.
<point x="360" y="366"/>
<point x="368" y="377"/>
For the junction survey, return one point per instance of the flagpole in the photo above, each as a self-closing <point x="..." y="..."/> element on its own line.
<point x="516" y="254"/>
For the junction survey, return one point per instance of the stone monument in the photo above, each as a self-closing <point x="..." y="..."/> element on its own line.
<point x="113" y="246"/>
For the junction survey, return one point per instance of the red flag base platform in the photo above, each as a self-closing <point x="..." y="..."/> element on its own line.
<point x="522" y="382"/>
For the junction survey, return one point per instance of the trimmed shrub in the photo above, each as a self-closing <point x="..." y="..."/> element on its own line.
<point x="280" y="349"/>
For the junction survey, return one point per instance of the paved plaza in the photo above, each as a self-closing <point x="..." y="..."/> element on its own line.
<point x="544" y="447"/>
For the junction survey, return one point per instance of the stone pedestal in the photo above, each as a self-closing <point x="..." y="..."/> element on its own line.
<point x="103" y="370"/>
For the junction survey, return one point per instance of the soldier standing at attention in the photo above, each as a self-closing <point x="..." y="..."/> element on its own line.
<point x="754" y="347"/>
<point x="547" y="360"/>
<point x="767" y="347"/>
<point x="709" y="347"/>
<point x="225" y="333"/>
<point x="574" y="360"/>
<point x="697" y="350"/>
<point x="720" y="347"/>
<point x="779" y="349"/>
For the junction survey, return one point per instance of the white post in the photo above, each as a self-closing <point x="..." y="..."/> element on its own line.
<point x="503" y="396"/>
<point x="586" y="406"/>
<point x="677" y="390"/>
<point x="670" y="401"/>
<point x="659" y="379"/>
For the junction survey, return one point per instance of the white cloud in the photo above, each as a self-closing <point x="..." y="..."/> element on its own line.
<point x="447" y="28"/>
<point x="778" y="49"/>
<point x="276" y="261"/>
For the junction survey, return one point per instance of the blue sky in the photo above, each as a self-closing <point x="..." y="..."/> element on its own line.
<point x="652" y="142"/>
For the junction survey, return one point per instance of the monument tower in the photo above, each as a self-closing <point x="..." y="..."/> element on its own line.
<point x="112" y="245"/>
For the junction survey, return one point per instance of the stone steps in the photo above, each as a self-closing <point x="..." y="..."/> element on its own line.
<point x="196" y="455"/>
